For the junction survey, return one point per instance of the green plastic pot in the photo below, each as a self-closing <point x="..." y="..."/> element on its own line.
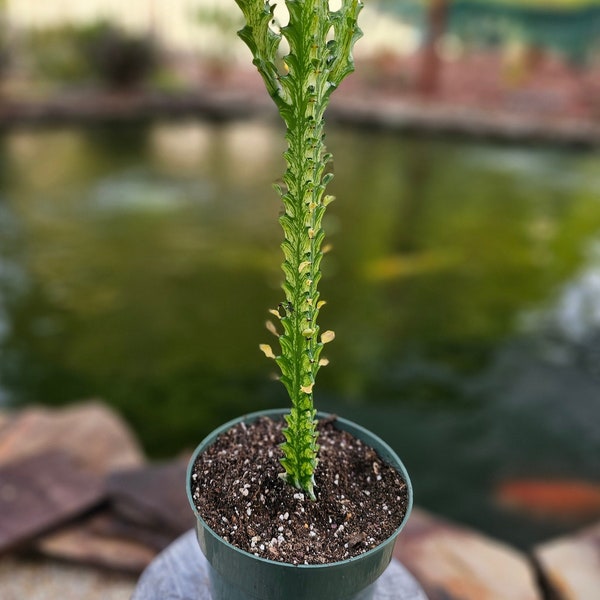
<point x="239" y="575"/>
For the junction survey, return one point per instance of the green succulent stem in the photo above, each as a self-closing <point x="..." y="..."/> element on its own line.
<point x="320" y="56"/>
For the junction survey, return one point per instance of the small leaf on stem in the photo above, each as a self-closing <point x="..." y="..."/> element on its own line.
<point x="327" y="336"/>
<point x="271" y="328"/>
<point x="267" y="350"/>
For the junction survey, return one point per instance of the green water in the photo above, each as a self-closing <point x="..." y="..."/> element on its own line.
<point x="137" y="265"/>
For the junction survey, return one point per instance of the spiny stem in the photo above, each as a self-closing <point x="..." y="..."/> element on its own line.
<point x="320" y="56"/>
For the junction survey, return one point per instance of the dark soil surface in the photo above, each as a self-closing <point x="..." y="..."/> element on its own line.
<point x="236" y="486"/>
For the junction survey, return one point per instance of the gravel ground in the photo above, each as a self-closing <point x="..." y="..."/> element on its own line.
<point x="50" y="580"/>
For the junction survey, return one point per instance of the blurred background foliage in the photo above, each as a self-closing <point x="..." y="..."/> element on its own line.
<point x="100" y="53"/>
<point x="122" y="45"/>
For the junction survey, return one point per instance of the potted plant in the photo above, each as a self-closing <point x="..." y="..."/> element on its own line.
<point x="297" y="504"/>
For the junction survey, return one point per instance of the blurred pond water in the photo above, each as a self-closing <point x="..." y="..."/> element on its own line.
<point x="137" y="264"/>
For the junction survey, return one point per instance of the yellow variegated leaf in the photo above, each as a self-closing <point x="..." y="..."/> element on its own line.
<point x="327" y="336"/>
<point x="271" y="328"/>
<point x="268" y="351"/>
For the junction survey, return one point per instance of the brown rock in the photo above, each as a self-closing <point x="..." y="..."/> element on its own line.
<point x="571" y="565"/>
<point x="90" y="431"/>
<point x="453" y="562"/>
<point x="43" y="491"/>
<point x="100" y="541"/>
<point x="109" y="524"/>
<point x="153" y="497"/>
<point x="5" y="419"/>
<point x="147" y="509"/>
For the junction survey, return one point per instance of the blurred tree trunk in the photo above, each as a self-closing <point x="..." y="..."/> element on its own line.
<point x="429" y="73"/>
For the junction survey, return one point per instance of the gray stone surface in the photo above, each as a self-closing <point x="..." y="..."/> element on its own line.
<point x="181" y="573"/>
<point x="43" y="579"/>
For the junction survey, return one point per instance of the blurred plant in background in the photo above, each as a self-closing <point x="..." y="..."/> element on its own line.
<point x="53" y="56"/>
<point x="98" y="53"/>
<point x="118" y="59"/>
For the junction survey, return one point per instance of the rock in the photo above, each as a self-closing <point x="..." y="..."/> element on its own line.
<point x="90" y="431"/>
<point x="43" y="491"/>
<point x="147" y="509"/>
<point x="5" y="420"/>
<point x="109" y="524"/>
<point x="100" y="542"/>
<point x="153" y="497"/>
<point x="456" y="563"/>
<point x="98" y="442"/>
<point x="570" y="566"/>
<point x="105" y="540"/>
<point x="42" y="579"/>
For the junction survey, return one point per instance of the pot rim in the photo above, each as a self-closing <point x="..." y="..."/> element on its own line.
<point x="399" y="465"/>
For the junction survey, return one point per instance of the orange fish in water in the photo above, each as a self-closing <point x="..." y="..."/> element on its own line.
<point x="564" y="500"/>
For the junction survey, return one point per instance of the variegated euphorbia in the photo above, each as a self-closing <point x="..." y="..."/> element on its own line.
<point x="320" y="56"/>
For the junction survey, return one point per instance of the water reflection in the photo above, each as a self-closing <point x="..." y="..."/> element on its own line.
<point x="575" y="316"/>
<point x="138" y="264"/>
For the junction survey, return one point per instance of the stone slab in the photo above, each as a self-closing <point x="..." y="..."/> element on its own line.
<point x="154" y="497"/>
<point x="108" y="524"/>
<point x="356" y="109"/>
<point x="90" y="431"/>
<point x="5" y="419"/>
<point x="181" y="573"/>
<point x="452" y="562"/>
<point x="571" y="565"/>
<point x="41" y="492"/>
<point x="101" y="541"/>
<point x="94" y="436"/>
